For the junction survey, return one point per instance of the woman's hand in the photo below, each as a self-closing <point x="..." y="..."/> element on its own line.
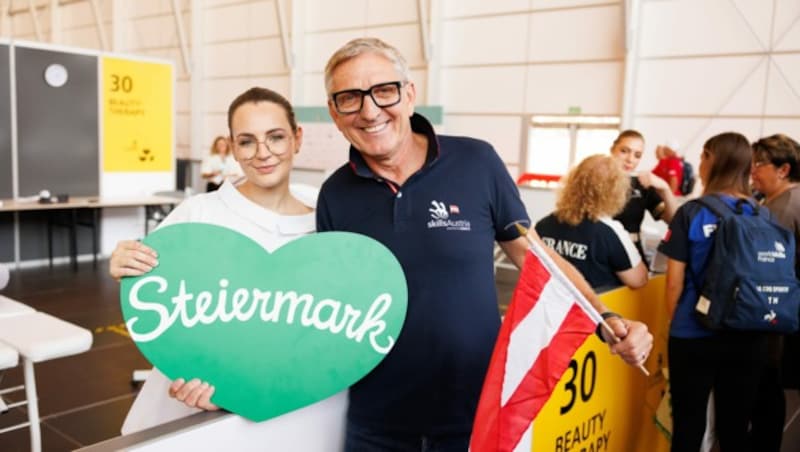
<point x="194" y="393"/>
<point x="131" y="258"/>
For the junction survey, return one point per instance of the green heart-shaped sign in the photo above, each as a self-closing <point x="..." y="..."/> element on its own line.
<point x="272" y="332"/>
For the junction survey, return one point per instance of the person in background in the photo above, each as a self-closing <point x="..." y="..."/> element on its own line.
<point x="219" y="165"/>
<point x="438" y="203"/>
<point x="265" y="138"/>
<point x="670" y="166"/>
<point x="776" y="175"/>
<point x="647" y="193"/>
<point x="582" y="231"/>
<point x="729" y="362"/>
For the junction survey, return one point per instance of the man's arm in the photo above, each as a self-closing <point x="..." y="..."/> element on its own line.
<point x="636" y="340"/>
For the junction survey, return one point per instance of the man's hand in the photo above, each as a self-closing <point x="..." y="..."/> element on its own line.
<point x="194" y="393"/>
<point x="635" y="341"/>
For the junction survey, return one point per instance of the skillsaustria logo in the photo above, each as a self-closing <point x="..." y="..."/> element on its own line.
<point x="441" y="217"/>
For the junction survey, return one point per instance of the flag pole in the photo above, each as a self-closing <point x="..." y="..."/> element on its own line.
<point x="579" y="296"/>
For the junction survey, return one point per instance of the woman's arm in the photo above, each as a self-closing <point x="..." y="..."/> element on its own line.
<point x="664" y="190"/>
<point x="676" y="272"/>
<point x="635" y="277"/>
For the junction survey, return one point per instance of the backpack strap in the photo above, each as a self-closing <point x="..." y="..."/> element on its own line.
<point x="722" y="210"/>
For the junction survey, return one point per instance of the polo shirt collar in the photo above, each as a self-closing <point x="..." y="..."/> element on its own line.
<point x="419" y="124"/>
<point x="265" y="218"/>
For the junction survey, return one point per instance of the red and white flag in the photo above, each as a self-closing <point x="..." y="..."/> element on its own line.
<point x="547" y="321"/>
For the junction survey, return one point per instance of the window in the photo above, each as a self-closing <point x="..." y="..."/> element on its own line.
<point x="557" y="143"/>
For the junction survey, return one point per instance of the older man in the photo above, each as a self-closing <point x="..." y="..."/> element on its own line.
<point x="439" y="203"/>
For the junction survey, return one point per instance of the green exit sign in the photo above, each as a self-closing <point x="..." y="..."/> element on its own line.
<point x="574" y="110"/>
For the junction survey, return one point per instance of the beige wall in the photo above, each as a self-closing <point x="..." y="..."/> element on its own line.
<point x="734" y="66"/>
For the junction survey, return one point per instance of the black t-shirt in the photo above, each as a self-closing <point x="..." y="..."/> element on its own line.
<point x="597" y="249"/>
<point x="639" y="200"/>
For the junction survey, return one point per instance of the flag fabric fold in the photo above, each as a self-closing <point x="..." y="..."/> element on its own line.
<point x="547" y="321"/>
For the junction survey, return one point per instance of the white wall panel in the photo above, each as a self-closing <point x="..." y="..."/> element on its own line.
<point x="341" y="14"/>
<point x="748" y="99"/>
<point x="391" y="11"/>
<point x="320" y="46"/>
<point x="182" y="104"/>
<point x="783" y="92"/>
<point x="693" y="86"/>
<point x="595" y="87"/>
<point x="461" y="8"/>
<point x="182" y="130"/>
<point x="790" y="127"/>
<point x="484" y="89"/>
<point x="503" y="132"/>
<point x="405" y="37"/>
<point x="419" y="77"/>
<point x="213" y="3"/>
<point x="679" y="28"/>
<point x="86" y="37"/>
<point x="144" y="8"/>
<point x="574" y="34"/>
<point x="80" y="13"/>
<point x="156" y="31"/>
<point x="314" y="89"/>
<point x="214" y="124"/>
<point x="550" y="4"/>
<point x="691" y="133"/>
<point x="787" y="25"/>
<point x="757" y="15"/>
<point x="790" y="40"/>
<point x="468" y="40"/>
<point x="221" y="92"/>
<point x="241" y="21"/>
<point x="245" y="58"/>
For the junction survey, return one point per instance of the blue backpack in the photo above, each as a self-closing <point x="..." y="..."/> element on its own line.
<point x="750" y="283"/>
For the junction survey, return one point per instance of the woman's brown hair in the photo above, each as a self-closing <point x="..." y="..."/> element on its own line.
<point x="730" y="166"/>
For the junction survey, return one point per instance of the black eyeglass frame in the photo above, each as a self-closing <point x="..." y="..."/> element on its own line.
<point x="399" y="84"/>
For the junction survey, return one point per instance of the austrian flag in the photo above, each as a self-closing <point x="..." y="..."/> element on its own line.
<point x="546" y="322"/>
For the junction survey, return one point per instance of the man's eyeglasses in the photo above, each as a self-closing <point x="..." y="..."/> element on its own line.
<point x="760" y="163"/>
<point x="383" y="94"/>
<point x="246" y="145"/>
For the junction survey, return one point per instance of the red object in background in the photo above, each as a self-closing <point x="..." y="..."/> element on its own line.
<point x="530" y="177"/>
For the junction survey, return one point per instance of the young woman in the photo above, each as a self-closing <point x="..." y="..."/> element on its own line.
<point x="581" y="229"/>
<point x="265" y="138"/>
<point x="647" y="192"/>
<point x="729" y="362"/>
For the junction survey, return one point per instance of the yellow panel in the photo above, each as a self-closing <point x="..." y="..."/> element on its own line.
<point x="137" y="116"/>
<point x="602" y="404"/>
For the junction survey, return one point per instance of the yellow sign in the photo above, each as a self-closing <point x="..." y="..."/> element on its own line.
<point x="137" y="116"/>
<point x="602" y="404"/>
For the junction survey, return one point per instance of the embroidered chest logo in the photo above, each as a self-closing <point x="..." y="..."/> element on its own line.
<point x="442" y="217"/>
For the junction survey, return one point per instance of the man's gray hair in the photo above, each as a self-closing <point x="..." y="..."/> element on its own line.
<point x="361" y="46"/>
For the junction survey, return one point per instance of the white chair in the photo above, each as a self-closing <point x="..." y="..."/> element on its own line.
<point x="36" y="337"/>
<point x="8" y="359"/>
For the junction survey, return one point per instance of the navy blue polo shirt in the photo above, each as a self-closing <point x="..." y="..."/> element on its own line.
<point x="441" y="225"/>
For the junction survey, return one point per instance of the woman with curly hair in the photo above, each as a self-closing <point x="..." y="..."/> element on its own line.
<point x="581" y="228"/>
